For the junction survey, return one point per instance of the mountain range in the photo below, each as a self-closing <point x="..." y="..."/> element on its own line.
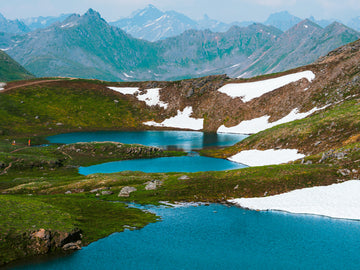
<point x="88" y="47"/>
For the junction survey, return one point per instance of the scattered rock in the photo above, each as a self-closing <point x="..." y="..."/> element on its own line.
<point x="106" y="192"/>
<point x="344" y="172"/>
<point x="125" y="191"/>
<point x="309" y="162"/>
<point x="236" y="187"/>
<point x="72" y="246"/>
<point x="153" y="185"/>
<point x="68" y="192"/>
<point x="94" y="190"/>
<point x="317" y="143"/>
<point x="184" y="177"/>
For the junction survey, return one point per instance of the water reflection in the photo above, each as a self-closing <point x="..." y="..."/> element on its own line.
<point x="170" y="140"/>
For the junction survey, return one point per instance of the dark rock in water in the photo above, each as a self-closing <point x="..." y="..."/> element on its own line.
<point x="72" y="246"/>
<point x="125" y="191"/>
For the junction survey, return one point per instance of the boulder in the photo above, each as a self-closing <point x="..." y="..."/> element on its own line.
<point x="72" y="246"/>
<point x="153" y="185"/>
<point x="184" y="177"/>
<point x="125" y="191"/>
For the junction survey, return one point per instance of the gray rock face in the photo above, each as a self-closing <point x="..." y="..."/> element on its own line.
<point x="125" y="191"/>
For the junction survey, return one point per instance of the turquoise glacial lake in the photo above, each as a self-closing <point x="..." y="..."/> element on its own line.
<point x="210" y="237"/>
<point x="221" y="237"/>
<point x="185" y="140"/>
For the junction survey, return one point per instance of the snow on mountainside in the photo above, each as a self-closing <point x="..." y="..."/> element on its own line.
<point x="43" y="22"/>
<point x="152" y="24"/>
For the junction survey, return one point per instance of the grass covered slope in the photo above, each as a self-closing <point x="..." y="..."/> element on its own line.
<point x="10" y="70"/>
<point x="24" y="217"/>
<point x="67" y="105"/>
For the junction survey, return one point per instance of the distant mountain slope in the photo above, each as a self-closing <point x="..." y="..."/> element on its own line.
<point x="300" y="45"/>
<point x="11" y="70"/>
<point x="354" y="23"/>
<point x="12" y="26"/>
<point x="84" y="46"/>
<point x="43" y="22"/>
<point x="282" y="20"/>
<point x="153" y="24"/>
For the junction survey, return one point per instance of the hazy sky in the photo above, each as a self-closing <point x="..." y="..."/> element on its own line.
<point x="224" y="10"/>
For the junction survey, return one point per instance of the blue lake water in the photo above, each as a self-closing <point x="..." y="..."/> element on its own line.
<point x="210" y="237"/>
<point x="165" y="164"/>
<point x="186" y="140"/>
<point x="221" y="237"/>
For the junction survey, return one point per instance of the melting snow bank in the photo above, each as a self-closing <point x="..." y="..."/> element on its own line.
<point x="251" y="90"/>
<point x="259" y="124"/>
<point x="181" y="120"/>
<point x="2" y="85"/>
<point x="266" y="157"/>
<point x="151" y="97"/>
<point x="336" y="201"/>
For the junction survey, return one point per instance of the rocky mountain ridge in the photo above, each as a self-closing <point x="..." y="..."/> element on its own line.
<point x="87" y="47"/>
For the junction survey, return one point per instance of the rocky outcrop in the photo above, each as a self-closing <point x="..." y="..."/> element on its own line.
<point x="152" y="185"/>
<point x="125" y="191"/>
<point x="40" y="242"/>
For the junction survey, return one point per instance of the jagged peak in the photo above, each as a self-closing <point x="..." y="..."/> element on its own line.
<point x="305" y="24"/>
<point x="2" y="18"/>
<point x="92" y="13"/>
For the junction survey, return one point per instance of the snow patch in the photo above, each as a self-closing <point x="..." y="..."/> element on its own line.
<point x="127" y="75"/>
<point x="259" y="124"/>
<point x="251" y="90"/>
<point x="2" y="85"/>
<point x="181" y="120"/>
<point x="152" y="98"/>
<point x="266" y="157"/>
<point x="336" y="201"/>
<point x="125" y="90"/>
<point x="68" y="25"/>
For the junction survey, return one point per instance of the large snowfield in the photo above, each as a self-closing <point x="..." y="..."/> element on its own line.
<point x="336" y="201"/>
<point x="259" y="124"/>
<point x="266" y="157"/>
<point x="251" y="90"/>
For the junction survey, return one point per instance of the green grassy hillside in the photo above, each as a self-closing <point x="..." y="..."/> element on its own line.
<point x="10" y="70"/>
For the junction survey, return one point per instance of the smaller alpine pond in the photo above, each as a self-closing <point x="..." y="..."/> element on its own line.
<point x="221" y="237"/>
<point x="183" y="140"/>
<point x="163" y="165"/>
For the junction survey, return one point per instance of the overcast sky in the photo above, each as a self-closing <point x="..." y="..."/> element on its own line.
<point x="224" y="10"/>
